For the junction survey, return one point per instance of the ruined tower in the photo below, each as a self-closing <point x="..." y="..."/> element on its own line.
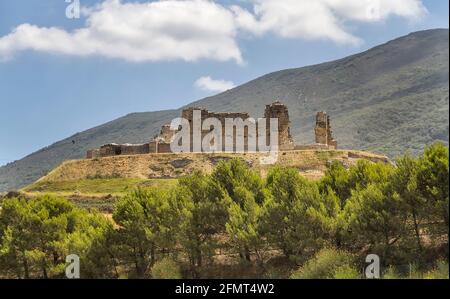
<point x="280" y="111"/>
<point x="166" y="133"/>
<point x="323" y="132"/>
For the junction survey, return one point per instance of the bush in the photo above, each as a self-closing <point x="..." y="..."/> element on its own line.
<point x="439" y="272"/>
<point x="166" y="269"/>
<point x="326" y="264"/>
<point x="346" y="272"/>
<point x="391" y="273"/>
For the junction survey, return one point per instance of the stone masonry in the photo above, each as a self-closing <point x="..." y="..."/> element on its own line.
<point x="323" y="132"/>
<point x="280" y="111"/>
<point x="221" y="116"/>
<point x="161" y="142"/>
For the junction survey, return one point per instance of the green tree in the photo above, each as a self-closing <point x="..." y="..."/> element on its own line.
<point x="37" y="235"/>
<point x="243" y="226"/>
<point x="337" y="178"/>
<point x="375" y="218"/>
<point x="236" y="173"/>
<point x="366" y="172"/>
<point x="329" y="212"/>
<point x="289" y="222"/>
<point x="206" y="214"/>
<point x="31" y="231"/>
<point x="403" y="183"/>
<point x="147" y="226"/>
<point x="433" y="182"/>
<point x="245" y="188"/>
<point x="94" y="243"/>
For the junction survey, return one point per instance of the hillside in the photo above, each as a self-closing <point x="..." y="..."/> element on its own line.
<point x="117" y="174"/>
<point x="389" y="99"/>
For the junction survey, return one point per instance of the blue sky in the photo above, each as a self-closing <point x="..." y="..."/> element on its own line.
<point x="55" y="82"/>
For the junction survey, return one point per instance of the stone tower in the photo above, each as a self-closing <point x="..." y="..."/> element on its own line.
<point x="166" y="134"/>
<point x="280" y="111"/>
<point x="323" y="132"/>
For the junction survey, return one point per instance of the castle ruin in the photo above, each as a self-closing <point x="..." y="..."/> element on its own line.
<point x="161" y="142"/>
<point x="323" y="132"/>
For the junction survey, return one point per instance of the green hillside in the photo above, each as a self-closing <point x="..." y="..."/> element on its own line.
<point x="389" y="99"/>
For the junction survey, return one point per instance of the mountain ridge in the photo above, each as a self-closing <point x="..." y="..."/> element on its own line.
<point x="388" y="99"/>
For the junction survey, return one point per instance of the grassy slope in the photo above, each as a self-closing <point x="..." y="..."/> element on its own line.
<point x="97" y="187"/>
<point x="98" y="183"/>
<point x="99" y="193"/>
<point x="389" y="99"/>
<point x="120" y="174"/>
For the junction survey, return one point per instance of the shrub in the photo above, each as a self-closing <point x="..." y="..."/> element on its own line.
<point x="439" y="272"/>
<point x="166" y="269"/>
<point x="327" y="264"/>
<point x="391" y="273"/>
<point x="346" y="272"/>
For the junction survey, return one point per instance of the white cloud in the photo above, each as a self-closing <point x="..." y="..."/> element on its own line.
<point x="161" y="30"/>
<point x="293" y="19"/>
<point x="321" y="19"/>
<point x="209" y="84"/>
<point x="190" y="30"/>
<point x="376" y="10"/>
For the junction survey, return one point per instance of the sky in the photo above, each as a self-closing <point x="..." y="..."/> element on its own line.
<point x="69" y="65"/>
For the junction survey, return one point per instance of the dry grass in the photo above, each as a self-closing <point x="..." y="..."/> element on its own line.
<point x="311" y="163"/>
<point x="97" y="186"/>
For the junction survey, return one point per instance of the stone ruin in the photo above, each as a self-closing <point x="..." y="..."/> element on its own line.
<point x="113" y="149"/>
<point x="280" y="111"/>
<point x="274" y="110"/>
<point x="161" y="142"/>
<point x="323" y="132"/>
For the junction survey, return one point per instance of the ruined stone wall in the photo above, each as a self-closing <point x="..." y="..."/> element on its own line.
<point x="110" y="150"/>
<point x="321" y="129"/>
<point x="311" y="147"/>
<point x="93" y="153"/>
<point x="323" y="132"/>
<point x="164" y="147"/>
<point x="166" y="133"/>
<point x="153" y="147"/>
<point x="113" y="149"/>
<point x="240" y="142"/>
<point x="221" y="116"/>
<point x="134" y="149"/>
<point x="274" y="110"/>
<point x="280" y="111"/>
<point x="331" y="142"/>
<point x="159" y="146"/>
<point x="161" y="143"/>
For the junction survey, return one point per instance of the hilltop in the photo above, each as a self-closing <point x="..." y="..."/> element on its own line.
<point x="99" y="181"/>
<point x="389" y="99"/>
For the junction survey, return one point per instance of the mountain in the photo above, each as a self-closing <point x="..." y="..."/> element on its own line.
<point x="389" y="99"/>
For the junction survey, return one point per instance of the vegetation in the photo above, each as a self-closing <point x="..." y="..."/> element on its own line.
<point x="166" y="268"/>
<point x="37" y="235"/>
<point x="98" y="193"/>
<point x="328" y="263"/>
<point x="283" y="225"/>
<point x="98" y="186"/>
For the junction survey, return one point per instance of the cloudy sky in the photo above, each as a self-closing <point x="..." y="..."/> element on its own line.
<point x="64" y="69"/>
